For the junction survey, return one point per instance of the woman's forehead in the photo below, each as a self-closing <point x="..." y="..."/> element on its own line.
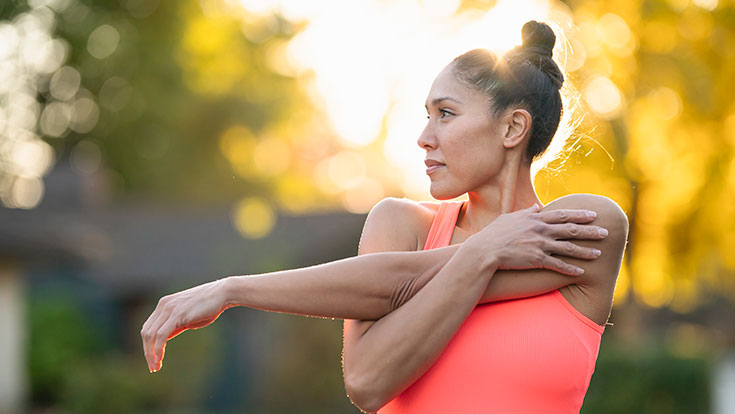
<point x="446" y="85"/>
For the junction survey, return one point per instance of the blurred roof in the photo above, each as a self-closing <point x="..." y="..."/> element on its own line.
<point x="179" y="245"/>
<point x="134" y="245"/>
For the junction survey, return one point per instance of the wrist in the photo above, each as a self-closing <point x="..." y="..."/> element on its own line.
<point x="486" y="260"/>
<point x="232" y="291"/>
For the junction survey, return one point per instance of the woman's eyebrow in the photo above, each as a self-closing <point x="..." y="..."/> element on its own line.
<point x="436" y="101"/>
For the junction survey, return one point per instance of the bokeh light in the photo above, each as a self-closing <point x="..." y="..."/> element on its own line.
<point x="363" y="79"/>
<point x="289" y="107"/>
<point x="253" y="217"/>
<point x="603" y="97"/>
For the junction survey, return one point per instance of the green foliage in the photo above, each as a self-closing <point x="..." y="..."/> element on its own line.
<point x="75" y="365"/>
<point x="60" y="337"/>
<point x="306" y="366"/>
<point x="109" y="383"/>
<point x="180" y="78"/>
<point x="651" y="381"/>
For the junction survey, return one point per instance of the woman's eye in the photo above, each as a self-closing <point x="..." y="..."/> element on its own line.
<point x="443" y="113"/>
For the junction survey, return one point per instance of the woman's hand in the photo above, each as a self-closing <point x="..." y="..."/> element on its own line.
<point x="527" y="239"/>
<point x="189" y="309"/>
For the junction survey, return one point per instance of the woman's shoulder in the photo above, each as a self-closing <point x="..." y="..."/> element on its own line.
<point x="605" y="207"/>
<point x="593" y="291"/>
<point x="402" y="220"/>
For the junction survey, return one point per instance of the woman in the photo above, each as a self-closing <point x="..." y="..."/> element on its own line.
<point x="415" y="339"/>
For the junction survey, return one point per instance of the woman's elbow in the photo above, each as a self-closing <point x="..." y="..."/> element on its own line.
<point x="363" y="392"/>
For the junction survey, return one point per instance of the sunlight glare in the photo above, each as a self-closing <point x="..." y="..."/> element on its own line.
<point x="371" y="64"/>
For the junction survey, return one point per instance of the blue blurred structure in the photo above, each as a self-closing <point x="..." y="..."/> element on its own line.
<point x="115" y="259"/>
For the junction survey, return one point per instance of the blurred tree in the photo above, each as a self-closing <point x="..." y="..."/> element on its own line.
<point x="152" y="87"/>
<point x="656" y="80"/>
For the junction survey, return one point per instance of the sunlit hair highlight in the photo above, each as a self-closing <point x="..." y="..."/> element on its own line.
<point x="528" y="77"/>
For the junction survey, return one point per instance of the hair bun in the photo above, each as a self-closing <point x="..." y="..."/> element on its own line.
<point x="538" y="38"/>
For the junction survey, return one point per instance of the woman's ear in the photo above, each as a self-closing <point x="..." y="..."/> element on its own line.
<point x="517" y="123"/>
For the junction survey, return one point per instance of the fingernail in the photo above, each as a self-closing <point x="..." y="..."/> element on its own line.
<point x="596" y="252"/>
<point x="591" y="214"/>
<point x="602" y="232"/>
<point x="579" y="270"/>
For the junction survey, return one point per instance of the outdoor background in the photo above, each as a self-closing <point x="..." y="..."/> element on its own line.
<point x="147" y="146"/>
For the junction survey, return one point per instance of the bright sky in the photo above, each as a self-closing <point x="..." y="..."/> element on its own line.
<point x="376" y="59"/>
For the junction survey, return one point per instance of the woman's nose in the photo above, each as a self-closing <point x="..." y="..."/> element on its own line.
<point x="427" y="139"/>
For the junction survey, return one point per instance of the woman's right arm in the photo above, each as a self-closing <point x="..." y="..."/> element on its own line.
<point x="366" y="287"/>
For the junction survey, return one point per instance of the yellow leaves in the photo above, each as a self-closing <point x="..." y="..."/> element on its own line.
<point x="650" y="127"/>
<point x="644" y="73"/>
<point x="214" y="54"/>
<point x="724" y="211"/>
<point x="616" y="34"/>
<point x="237" y="144"/>
<point x="695" y="24"/>
<point x="253" y="217"/>
<point x="603" y="96"/>
<point x="728" y="129"/>
<point x="272" y="156"/>
<point x="266" y="156"/>
<point x="205" y="36"/>
<point x="296" y="193"/>
<point x="652" y="277"/>
<point x="361" y="198"/>
<point x="658" y="37"/>
<point x="622" y="287"/>
<point x="667" y="101"/>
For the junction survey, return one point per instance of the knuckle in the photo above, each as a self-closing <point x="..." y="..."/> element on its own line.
<point x="573" y="230"/>
<point x="539" y="256"/>
<point x="562" y="215"/>
<point x="570" y="247"/>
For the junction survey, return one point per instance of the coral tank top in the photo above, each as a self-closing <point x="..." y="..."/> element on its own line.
<point x="532" y="355"/>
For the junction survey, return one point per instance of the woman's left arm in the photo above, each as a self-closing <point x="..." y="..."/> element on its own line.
<point x="365" y="287"/>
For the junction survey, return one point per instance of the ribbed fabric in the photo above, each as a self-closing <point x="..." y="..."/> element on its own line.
<point x="532" y="355"/>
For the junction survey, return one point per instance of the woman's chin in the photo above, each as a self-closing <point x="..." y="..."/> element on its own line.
<point x="443" y="193"/>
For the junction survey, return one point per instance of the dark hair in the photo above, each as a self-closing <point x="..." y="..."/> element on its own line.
<point x="527" y="76"/>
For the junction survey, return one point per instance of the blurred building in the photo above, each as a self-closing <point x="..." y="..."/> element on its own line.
<point x="133" y="251"/>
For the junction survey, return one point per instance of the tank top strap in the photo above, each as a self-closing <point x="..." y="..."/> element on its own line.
<point x="442" y="228"/>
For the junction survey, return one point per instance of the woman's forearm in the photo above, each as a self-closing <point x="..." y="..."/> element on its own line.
<point x="365" y="287"/>
<point x="400" y="347"/>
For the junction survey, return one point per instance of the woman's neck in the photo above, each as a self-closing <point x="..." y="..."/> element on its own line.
<point x="511" y="190"/>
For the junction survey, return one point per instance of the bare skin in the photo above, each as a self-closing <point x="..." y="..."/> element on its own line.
<point x="371" y="286"/>
<point x="483" y="156"/>
<point x="404" y="305"/>
<point x="417" y="332"/>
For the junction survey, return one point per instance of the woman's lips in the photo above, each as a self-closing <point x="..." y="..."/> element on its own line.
<point x="433" y="168"/>
<point x="432" y="165"/>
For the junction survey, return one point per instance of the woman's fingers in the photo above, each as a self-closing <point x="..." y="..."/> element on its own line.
<point x="147" y="334"/>
<point x="161" y="337"/>
<point x="567" y="216"/>
<point x="576" y="231"/>
<point x="160" y="316"/>
<point x="569" y="249"/>
<point x="150" y="328"/>
<point x="558" y="265"/>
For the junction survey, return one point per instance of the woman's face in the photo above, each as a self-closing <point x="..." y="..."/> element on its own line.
<point x="463" y="143"/>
